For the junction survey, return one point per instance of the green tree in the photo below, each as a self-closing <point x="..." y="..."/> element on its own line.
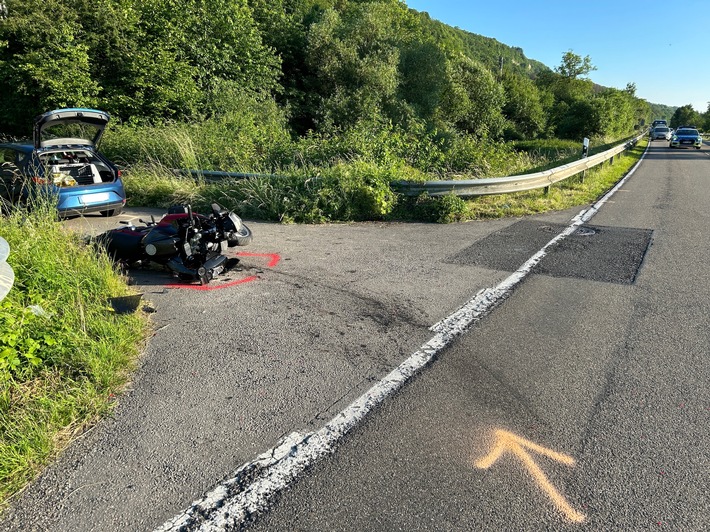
<point x="616" y="112"/>
<point x="43" y="63"/>
<point x="574" y="66"/>
<point x="473" y="101"/>
<point x="576" y="120"/>
<point x="354" y="55"/>
<point x="190" y="48"/>
<point x="523" y="106"/>
<point x="685" y="116"/>
<point x="423" y="68"/>
<point x="572" y="113"/>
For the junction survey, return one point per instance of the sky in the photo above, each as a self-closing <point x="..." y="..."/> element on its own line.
<point x="656" y="44"/>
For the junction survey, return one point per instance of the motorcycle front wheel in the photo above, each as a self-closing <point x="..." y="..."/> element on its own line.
<point x="241" y="237"/>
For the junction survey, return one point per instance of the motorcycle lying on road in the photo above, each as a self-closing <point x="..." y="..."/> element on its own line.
<point x="188" y="244"/>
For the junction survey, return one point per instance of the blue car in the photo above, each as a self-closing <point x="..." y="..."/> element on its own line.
<point x="686" y="137"/>
<point x="63" y="160"/>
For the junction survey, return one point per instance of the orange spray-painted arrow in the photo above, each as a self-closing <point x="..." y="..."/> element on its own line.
<point x="509" y="442"/>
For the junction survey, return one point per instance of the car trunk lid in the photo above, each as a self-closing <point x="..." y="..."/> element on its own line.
<point x="74" y="126"/>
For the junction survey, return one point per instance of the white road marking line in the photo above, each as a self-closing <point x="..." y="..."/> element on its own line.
<point x="233" y="501"/>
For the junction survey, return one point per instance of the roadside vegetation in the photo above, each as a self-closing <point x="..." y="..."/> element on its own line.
<point x="359" y="191"/>
<point x="64" y="352"/>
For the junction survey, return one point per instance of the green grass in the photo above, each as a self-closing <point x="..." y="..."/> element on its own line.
<point x="570" y="193"/>
<point x="360" y="190"/>
<point x="64" y="353"/>
<point x="556" y="152"/>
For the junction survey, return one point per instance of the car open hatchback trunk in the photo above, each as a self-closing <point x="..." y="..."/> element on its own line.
<point x="75" y="126"/>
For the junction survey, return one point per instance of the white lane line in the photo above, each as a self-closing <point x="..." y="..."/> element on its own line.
<point x="254" y="483"/>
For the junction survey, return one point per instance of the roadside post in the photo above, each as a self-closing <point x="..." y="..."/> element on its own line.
<point x="585" y="154"/>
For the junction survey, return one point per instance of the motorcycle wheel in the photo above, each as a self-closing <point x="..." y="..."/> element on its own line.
<point x="241" y="237"/>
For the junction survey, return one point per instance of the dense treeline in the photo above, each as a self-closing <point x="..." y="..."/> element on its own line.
<point x="277" y="78"/>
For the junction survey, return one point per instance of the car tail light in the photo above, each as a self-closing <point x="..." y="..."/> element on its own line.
<point x="40" y="180"/>
<point x="119" y="173"/>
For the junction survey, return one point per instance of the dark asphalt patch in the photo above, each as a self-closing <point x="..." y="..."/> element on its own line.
<point x="508" y="248"/>
<point x="596" y="253"/>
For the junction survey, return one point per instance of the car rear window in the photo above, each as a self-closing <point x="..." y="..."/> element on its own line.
<point x="662" y="129"/>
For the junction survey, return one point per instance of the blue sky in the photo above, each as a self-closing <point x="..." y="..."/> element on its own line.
<point x="657" y="44"/>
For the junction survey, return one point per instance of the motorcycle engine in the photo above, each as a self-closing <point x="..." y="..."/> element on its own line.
<point x="194" y="245"/>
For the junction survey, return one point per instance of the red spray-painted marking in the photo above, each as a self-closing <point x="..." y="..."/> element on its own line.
<point x="275" y="257"/>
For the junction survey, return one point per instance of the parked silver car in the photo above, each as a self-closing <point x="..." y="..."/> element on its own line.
<point x="661" y="132"/>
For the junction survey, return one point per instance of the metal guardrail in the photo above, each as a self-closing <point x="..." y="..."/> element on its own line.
<point x="462" y="187"/>
<point x="7" y="276"/>
<point x="515" y="183"/>
<point x="218" y="175"/>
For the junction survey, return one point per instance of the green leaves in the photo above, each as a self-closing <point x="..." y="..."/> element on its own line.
<point x="23" y="336"/>
<point x="44" y="65"/>
<point x="685" y="115"/>
<point x="135" y="58"/>
<point x="329" y="68"/>
<point x="573" y="66"/>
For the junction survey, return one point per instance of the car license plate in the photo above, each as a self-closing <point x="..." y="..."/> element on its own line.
<point x="94" y="198"/>
<point x="686" y="141"/>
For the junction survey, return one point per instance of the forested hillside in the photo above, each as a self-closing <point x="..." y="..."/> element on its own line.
<point x="266" y="83"/>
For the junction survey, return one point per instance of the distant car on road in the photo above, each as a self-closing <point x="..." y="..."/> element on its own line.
<point x="661" y="132"/>
<point x="658" y="123"/>
<point x="686" y="137"/>
<point x="63" y="160"/>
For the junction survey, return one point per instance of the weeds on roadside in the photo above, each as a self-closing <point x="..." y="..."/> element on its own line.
<point x="569" y="193"/>
<point x="63" y="351"/>
<point x="360" y="190"/>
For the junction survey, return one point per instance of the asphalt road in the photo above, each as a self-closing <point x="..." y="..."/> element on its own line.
<point x="599" y="356"/>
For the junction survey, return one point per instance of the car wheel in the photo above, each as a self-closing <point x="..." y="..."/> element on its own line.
<point x="112" y="212"/>
<point x="10" y="183"/>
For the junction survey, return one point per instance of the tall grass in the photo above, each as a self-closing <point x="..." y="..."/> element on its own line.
<point x="342" y="176"/>
<point x="359" y="189"/>
<point x="569" y="193"/>
<point x="63" y="351"/>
